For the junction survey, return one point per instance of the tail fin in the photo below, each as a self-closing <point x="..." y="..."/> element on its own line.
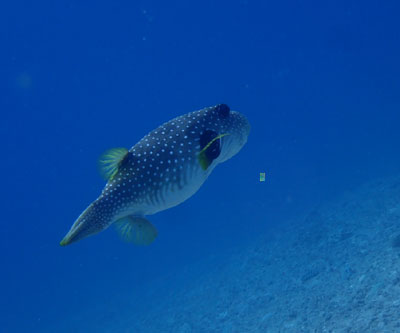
<point x="90" y="222"/>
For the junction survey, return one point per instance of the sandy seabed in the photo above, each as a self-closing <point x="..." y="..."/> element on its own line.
<point x="337" y="270"/>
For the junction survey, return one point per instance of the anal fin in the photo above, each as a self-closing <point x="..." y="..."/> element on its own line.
<point x="136" y="230"/>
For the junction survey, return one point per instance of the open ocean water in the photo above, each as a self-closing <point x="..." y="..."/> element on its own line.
<point x="313" y="248"/>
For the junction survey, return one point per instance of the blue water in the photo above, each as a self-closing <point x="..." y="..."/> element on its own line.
<point x="318" y="81"/>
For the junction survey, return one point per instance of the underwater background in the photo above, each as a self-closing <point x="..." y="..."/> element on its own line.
<point x="319" y="82"/>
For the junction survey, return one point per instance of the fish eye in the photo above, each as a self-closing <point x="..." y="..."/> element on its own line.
<point x="223" y="110"/>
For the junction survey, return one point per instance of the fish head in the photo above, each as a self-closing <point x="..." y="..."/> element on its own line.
<point x="232" y="126"/>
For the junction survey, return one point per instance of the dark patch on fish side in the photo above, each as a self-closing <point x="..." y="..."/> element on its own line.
<point x="213" y="151"/>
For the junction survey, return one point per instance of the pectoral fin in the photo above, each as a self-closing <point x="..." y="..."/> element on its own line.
<point x="136" y="230"/>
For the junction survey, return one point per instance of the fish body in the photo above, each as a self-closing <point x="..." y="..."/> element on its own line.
<point x="165" y="168"/>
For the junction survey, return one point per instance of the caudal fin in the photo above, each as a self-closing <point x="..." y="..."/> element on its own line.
<point x="90" y="222"/>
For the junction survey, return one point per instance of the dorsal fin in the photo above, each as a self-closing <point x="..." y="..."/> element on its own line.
<point x="110" y="160"/>
<point x="210" y="143"/>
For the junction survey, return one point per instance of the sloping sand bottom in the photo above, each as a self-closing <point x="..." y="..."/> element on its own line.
<point x="336" y="271"/>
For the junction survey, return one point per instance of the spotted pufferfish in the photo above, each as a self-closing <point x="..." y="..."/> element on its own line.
<point x="162" y="170"/>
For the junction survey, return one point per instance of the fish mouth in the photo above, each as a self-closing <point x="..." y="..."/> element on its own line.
<point x="239" y="133"/>
<point x="242" y="121"/>
<point x="247" y="128"/>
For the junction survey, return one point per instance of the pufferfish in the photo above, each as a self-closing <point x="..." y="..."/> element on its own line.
<point x="162" y="170"/>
